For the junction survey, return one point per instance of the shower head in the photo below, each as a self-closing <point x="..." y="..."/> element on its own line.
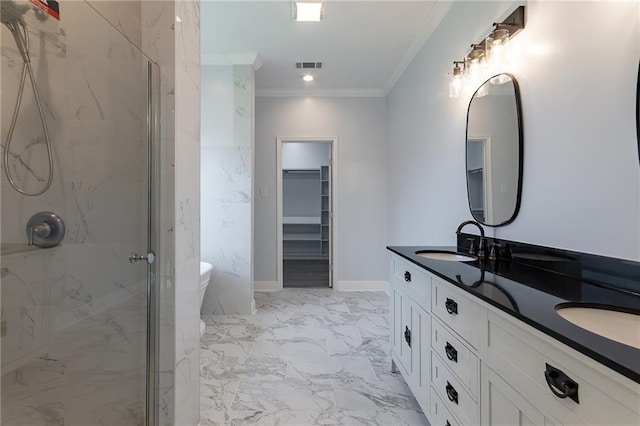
<point x="12" y="15"/>
<point x="10" y="11"/>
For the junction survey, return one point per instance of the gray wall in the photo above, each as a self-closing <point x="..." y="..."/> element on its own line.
<point x="359" y="123"/>
<point x="581" y="187"/>
<point x="305" y="155"/>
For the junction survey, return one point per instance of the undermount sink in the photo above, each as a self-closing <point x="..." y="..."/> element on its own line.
<point x="620" y="325"/>
<point x="445" y="255"/>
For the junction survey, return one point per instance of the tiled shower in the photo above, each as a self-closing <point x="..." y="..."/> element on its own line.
<point x="75" y="316"/>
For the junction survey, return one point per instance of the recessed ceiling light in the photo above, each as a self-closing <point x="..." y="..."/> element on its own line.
<point x="307" y="77"/>
<point x="308" y="12"/>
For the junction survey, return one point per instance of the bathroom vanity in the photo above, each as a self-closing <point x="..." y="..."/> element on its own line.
<point x="480" y="342"/>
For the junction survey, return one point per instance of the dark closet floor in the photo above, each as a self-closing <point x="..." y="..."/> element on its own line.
<point x="306" y="273"/>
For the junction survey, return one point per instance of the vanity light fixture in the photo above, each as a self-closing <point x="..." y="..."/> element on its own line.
<point x="489" y="55"/>
<point x="474" y="63"/>
<point x="456" y="80"/>
<point x="495" y="46"/>
<point x="308" y="11"/>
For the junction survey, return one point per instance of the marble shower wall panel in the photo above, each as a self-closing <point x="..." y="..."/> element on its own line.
<point x="125" y="16"/>
<point x="225" y="228"/>
<point x="26" y="287"/>
<point x="228" y="197"/>
<point x="187" y="213"/>
<point x="92" y="83"/>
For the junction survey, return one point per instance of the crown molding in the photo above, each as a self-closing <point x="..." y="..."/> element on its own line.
<point x="246" y="58"/>
<point x="431" y="22"/>
<point x="320" y="93"/>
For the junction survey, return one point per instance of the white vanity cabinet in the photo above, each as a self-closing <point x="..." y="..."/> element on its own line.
<point x="502" y="405"/>
<point x="468" y="362"/>
<point x="521" y="354"/>
<point x="411" y="327"/>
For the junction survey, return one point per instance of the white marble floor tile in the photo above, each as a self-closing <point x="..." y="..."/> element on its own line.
<point x="314" y="367"/>
<point x="237" y="349"/>
<point x="290" y="348"/>
<point x="311" y="418"/>
<point x="243" y="368"/>
<point x="316" y="357"/>
<point x="291" y="394"/>
<point x="217" y="395"/>
<point x="408" y="418"/>
<point x="374" y="395"/>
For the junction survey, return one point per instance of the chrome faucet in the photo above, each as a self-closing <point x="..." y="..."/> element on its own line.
<point x="481" y="246"/>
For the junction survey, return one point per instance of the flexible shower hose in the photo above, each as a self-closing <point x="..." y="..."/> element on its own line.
<point x="21" y="36"/>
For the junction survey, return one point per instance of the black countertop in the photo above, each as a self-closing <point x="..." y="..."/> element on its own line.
<point x="531" y="295"/>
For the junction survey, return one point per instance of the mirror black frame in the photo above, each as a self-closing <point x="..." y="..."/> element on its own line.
<point x="516" y="90"/>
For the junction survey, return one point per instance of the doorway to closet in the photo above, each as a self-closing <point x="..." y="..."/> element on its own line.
<point x="306" y="211"/>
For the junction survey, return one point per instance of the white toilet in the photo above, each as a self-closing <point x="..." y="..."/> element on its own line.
<point x="205" y="276"/>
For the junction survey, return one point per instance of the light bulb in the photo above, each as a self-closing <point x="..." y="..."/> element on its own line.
<point x="307" y="78"/>
<point x="455" y="82"/>
<point x="496" y="49"/>
<point x="474" y="66"/>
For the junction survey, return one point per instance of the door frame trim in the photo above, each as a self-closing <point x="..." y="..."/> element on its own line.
<point x="333" y="142"/>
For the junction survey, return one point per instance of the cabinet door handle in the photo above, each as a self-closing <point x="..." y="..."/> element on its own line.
<point x="407" y="335"/>
<point x="560" y="384"/>
<point x="452" y="353"/>
<point x="452" y="393"/>
<point x="407" y="276"/>
<point x="452" y="306"/>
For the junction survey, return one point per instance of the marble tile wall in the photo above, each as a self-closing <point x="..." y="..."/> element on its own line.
<point x="125" y="16"/>
<point x="228" y="193"/>
<point x="95" y="105"/>
<point x="187" y="212"/>
<point x="84" y="80"/>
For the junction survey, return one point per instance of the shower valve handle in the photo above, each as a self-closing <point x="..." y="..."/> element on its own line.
<point x="149" y="258"/>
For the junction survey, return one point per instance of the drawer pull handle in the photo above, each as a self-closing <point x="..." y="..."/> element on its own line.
<point x="452" y="306"/>
<point x="452" y="353"/>
<point x="452" y="393"/>
<point x="407" y="335"/>
<point x="560" y="384"/>
<point x="407" y="276"/>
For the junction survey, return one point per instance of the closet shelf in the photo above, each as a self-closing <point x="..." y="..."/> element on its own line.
<point x="301" y="237"/>
<point x="301" y="220"/>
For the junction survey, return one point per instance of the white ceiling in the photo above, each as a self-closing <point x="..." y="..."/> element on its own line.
<point x="364" y="46"/>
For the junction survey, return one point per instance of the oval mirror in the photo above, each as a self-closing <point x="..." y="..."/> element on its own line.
<point x="494" y="151"/>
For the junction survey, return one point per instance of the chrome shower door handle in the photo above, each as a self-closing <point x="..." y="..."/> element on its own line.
<point x="149" y="258"/>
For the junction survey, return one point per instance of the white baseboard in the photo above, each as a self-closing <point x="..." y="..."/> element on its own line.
<point x="363" y="286"/>
<point x="265" y="286"/>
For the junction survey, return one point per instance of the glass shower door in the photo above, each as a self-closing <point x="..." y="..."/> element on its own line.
<point x="74" y="346"/>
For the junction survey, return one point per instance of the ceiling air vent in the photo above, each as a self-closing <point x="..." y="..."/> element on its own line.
<point x="309" y="65"/>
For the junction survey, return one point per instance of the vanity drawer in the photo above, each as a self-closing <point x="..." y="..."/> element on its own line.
<point x="453" y="394"/>
<point x="457" y="310"/>
<point x="439" y="413"/>
<point x="521" y="355"/>
<point x="455" y="354"/>
<point x="415" y="281"/>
